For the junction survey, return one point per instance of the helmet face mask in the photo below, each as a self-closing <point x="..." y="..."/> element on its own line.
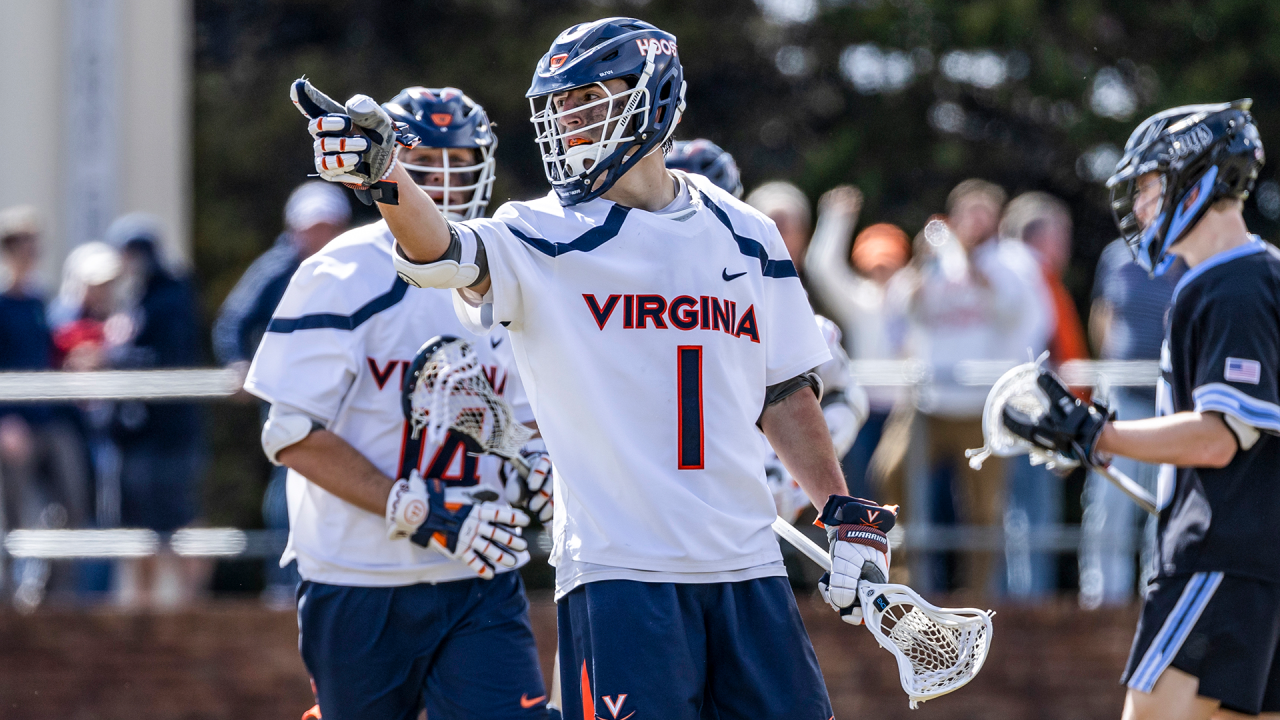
<point x="445" y="118"/>
<point x="586" y="147"/>
<point x="1136" y="204"/>
<point x="602" y="126"/>
<point x="460" y="188"/>
<point x="1201" y="154"/>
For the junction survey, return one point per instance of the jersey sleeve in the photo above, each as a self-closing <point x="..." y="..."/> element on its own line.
<point x="509" y="264"/>
<point x="307" y="365"/>
<point x="1236" y="352"/>
<point x="793" y="342"/>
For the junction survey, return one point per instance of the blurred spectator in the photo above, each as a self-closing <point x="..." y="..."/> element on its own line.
<point x="788" y="208"/>
<point x="1043" y="223"/>
<point x="854" y="297"/>
<point x="966" y="296"/>
<point x="162" y="445"/>
<point x="1126" y="322"/>
<point x="43" y="467"/>
<point x="315" y="213"/>
<point x="86" y="301"/>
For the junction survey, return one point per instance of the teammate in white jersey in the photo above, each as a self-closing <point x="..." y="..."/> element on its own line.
<point x="655" y="321"/>
<point x="391" y="620"/>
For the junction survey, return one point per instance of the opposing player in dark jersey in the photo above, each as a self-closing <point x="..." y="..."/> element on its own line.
<point x="1208" y="641"/>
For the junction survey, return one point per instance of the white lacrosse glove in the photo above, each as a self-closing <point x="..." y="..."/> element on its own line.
<point x="354" y="144"/>
<point x="407" y="506"/>
<point x="481" y="536"/>
<point x="856" y="531"/>
<point x="533" y="492"/>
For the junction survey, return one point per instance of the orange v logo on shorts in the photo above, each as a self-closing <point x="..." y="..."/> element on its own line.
<point x="527" y="702"/>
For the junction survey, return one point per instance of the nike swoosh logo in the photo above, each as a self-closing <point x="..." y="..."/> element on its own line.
<point x="495" y="342"/>
<point x="526" y="702"/>
<point x="727" y="277"/>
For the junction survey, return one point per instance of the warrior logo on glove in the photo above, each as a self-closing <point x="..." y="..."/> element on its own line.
<point x="857" y="532"/>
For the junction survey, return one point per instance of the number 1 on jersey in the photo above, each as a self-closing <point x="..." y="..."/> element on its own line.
<point x="689" y="397"/>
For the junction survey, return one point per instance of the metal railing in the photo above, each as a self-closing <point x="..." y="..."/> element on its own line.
<point x="921" y="536"/>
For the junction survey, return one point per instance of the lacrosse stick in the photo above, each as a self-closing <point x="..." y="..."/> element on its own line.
<point x="1017" y="389"/>
<point x="939" y="650"/>
<point x="446" y="389"/>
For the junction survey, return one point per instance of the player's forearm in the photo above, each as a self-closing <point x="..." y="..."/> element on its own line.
<point x="330" y="462"/>
<point x="798" y="432"/>
<point x="1187" y="439"/>
<point x="416" y="222"/>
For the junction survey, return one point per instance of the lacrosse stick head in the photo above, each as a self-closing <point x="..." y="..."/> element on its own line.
<point x="1019" y="390"/>
<point x="939" y="650"/>
<point x="446" y="388"/>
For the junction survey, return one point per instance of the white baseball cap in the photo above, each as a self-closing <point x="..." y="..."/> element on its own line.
<point x="316" y="202"/>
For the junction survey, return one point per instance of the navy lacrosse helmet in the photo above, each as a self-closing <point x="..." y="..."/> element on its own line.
<point x="447" y="118"/>
<point x="1203" y="153"/>
<point x="707" y="158"/>
<point x="607" y="136"/>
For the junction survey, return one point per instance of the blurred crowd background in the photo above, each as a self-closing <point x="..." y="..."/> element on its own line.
<point x="936" y="169"/>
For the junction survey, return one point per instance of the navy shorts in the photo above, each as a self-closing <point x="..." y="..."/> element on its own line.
<point x="461" y="649"/>
<point x="1222" y="629"/>
<point x="681" y="651"/>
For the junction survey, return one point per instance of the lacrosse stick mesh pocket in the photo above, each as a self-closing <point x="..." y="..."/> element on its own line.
<point x="941" y="657"/>
<point x="938" y="650"/>
<point x="453" y="393"/>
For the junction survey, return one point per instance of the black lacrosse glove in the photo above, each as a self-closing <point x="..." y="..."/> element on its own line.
<point x="1071" y="427"/>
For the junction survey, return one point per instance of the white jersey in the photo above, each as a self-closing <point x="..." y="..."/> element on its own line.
<point x="645" y="342"/>
<point x="337" y="349"/>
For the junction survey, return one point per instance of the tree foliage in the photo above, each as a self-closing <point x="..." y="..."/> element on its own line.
<point x="773" y="87"/>
<point x="821" y="92"/>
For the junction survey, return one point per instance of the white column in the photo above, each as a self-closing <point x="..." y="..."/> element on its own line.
<point x="90" y="118"/>
<point x="97" y="96"/>
<point x="31" y="60"/>
<point x="155" y="106"/>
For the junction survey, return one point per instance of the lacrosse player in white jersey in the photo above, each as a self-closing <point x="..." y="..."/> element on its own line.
<point x="408" y="599"/>
<point x="656" y="323"/>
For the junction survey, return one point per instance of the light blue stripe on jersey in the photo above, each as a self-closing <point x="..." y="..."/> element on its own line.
<point x="752" y="248"/>
<point x="1255" y="245"/>
<point x="1195" y="598"/>
<point x="1219" y="397"/>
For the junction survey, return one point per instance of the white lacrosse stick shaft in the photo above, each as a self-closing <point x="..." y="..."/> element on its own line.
<point x="809" y="548"/>
<point x="1129" y="487"/>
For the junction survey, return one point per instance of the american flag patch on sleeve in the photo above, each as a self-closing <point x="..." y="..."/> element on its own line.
<point x="1242" y="371"/>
